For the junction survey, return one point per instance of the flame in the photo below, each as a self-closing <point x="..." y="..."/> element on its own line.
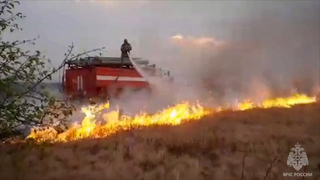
<point x="246" y="105"/>
<point x="278" y="102"/>
<point x="197" y="40"/>
<point x="90" y="128"/>
<point x="179" y="37"/>
<point x="173" y="116"/>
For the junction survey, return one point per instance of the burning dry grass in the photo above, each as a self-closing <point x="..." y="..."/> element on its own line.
<point x="175" y="115"/>
<point x="211" y="148"/>
<point x="90" y="127"/>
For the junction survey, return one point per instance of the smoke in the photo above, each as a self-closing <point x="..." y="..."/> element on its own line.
<point x="273" y="54"/>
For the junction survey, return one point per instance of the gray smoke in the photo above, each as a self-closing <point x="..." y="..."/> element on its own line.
<point x="274" y="53"/>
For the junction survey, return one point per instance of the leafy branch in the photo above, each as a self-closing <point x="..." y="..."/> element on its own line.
<point x="24" y="99"/>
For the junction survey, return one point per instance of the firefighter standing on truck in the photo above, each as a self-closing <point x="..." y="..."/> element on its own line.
<point x="125" y="49"/>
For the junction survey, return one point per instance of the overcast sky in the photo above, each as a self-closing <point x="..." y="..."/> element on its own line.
<point x="241" y="36"/>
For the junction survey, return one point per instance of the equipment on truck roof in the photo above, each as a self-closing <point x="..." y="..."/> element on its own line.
<point x="106" y="61"/>
<point x="106" y="77"/>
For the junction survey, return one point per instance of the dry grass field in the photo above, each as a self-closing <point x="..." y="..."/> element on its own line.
<point x="252" y="144"/>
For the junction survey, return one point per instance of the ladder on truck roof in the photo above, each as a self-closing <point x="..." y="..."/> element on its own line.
<point x="106" y="61"/>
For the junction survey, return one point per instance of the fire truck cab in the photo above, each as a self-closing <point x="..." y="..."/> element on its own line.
<point x="105" y="77"/>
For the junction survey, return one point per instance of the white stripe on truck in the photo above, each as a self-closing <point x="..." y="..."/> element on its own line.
<point x="109" y="78"/>
<point x="121" y="78"/>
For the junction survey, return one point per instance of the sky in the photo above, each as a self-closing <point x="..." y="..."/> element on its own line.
<point x="255" y="42"/>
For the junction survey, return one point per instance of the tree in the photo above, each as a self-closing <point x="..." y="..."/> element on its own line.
<point x="23" y="98"/>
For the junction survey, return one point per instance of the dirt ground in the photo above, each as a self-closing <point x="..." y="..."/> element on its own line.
<point x="252" y="144"/>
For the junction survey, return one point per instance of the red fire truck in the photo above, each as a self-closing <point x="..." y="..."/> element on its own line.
<point x="106" y="76"/>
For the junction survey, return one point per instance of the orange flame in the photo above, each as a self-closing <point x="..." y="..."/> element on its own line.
<point x="278" y="102"/>
<point x="175" y="115"/>
<point x="89" y="128"/>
